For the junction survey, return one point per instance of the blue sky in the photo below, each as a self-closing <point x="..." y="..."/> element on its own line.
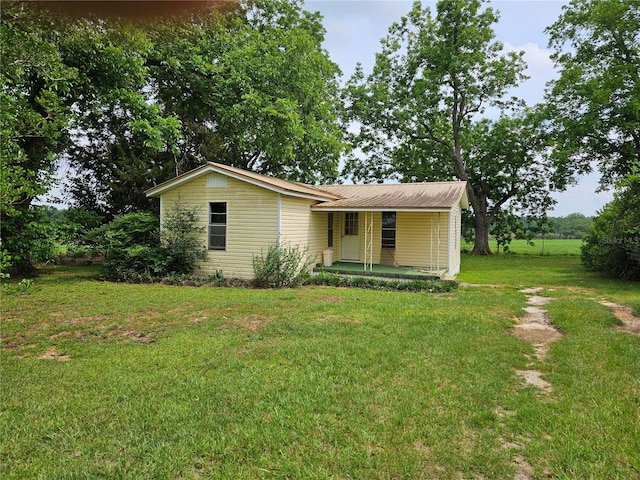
<point x="355" y="27"/>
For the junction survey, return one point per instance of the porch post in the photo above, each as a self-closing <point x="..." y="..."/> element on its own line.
<point x="368" y="241"/>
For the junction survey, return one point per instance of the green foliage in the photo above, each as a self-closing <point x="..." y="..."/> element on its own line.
<point x="334" y="280"/>
<point x="250" y="87"/>
<point x="593" y="109"/>
<point x="283" y="266"/>
<point x="418" y="114"/>
<point x="137" y="251"/>
<point x="612" y="245"/>
<point x="180" y="242"/>
<point x="34" y="122"/>
<point x="26" y="286"/>
<point x="574" y="225"/>
<point x="132" y="245"/>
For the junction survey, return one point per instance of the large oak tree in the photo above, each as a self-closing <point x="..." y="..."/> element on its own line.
<point x="420" y="114"/>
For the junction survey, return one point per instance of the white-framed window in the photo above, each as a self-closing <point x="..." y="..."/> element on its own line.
<point x="217" y="226"/>
<point x="388" y="229"/>
<point x="351" y="223"/>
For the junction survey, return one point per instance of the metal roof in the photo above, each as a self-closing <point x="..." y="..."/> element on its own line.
<point x="271" y="183"/>
<point x="382" y="196"/>
<point x="401" y="196"/>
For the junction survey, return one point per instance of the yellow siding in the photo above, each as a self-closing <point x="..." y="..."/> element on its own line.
<point x="421" y="239"/>
<point x="302" y="227"/>
<point x="252" y="219"/>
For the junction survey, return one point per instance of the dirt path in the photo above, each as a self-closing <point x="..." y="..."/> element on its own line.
<point x="630" y="323"/>
<point x="534" y="327"/>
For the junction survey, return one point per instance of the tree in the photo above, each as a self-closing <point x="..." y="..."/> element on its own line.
<point x="34" y="122"/>
<point x="419" y="113"/>
<point x="122" y="140"/>
<point x="63" y="81"/>
<point x="594" y="106"/>
<point x="612" y="245"/>
<point x="574" y="225"/>
<point x="250" y="87"/>
<point x="255" y="91"/>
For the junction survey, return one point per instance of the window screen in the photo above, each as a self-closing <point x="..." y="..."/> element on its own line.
<point x="217" y="226"/>
<point x="388" y="229"/>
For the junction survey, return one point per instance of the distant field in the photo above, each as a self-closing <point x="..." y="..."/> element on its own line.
<point x="539" y="247"/>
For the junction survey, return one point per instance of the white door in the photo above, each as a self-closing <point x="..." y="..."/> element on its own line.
<point x="351" y="237"/>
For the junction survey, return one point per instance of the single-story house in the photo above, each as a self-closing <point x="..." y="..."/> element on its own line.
<point x="408" y="224"/>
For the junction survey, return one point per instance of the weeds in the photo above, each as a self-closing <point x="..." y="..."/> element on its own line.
<point x="283" y="266"/>
<point x="26" y="286"/>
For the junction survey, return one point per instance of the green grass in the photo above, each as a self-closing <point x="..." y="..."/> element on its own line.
<point x="540" y="247"/>
<point x="317" y="382"/>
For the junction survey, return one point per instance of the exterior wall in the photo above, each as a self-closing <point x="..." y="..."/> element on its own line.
<point x="258" y="217"/>
<point x="252" y="220"/>
<point x="422" y="239"/>
<point x="302" y="227"/>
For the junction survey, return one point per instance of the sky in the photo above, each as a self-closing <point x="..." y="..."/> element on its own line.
<point x="354" y="29"/>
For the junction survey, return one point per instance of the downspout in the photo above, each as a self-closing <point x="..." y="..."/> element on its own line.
<point x="279" y="221"/>
<point x="449" y="242"/>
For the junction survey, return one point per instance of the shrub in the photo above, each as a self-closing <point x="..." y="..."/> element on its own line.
<point x="431" y="286"/>
<point x="283" y="266"/>
<point x="180" y="241"/>
<point x="132" y="246"/>
<point x="612" y="245"/>
<point x="136" y="251"/>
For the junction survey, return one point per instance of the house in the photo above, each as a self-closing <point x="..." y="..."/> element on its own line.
<point x="409" y="224"/>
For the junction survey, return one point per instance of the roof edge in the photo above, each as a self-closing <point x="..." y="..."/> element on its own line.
<point x="264" y="181"/>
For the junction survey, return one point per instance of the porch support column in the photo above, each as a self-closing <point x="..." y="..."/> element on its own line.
<point x="368" y="241"/>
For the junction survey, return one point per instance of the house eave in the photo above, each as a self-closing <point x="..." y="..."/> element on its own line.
<point x="209" y="168"/>
<point x="320" y="208"/>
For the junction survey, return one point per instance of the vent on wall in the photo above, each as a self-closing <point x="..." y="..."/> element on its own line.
<point x="215" y="180"/>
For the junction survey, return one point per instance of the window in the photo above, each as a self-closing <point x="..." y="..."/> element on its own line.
<point x="330" y="230"/>
<point x="218" y="226"/>
<point x="388" y="229"/>
<point x="351" y="223"/>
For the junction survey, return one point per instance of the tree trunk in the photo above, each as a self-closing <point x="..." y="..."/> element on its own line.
<point x="481" y="241"/>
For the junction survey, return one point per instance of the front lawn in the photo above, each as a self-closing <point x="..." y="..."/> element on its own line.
<point x="105" y="380"/>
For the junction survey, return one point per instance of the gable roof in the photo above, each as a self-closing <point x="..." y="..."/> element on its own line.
<point x="270" y="183"/>
<point x="381" y="196"/>
<point x="401" y="196"/>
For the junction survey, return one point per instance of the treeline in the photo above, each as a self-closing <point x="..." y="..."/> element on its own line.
<point x="574" y="225"/>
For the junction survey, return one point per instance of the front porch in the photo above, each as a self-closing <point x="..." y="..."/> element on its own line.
<point x="382" y="271"/>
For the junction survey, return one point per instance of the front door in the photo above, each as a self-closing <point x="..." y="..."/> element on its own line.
<point x="351" y="237"/>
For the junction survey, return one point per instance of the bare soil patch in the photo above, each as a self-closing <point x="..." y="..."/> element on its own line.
<point x="630" y="323"/>
<point x="52" y="354"/>
<point x="252" y="323"/>
<point x="536" y="327"/>
<point x="533" y="377"/>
